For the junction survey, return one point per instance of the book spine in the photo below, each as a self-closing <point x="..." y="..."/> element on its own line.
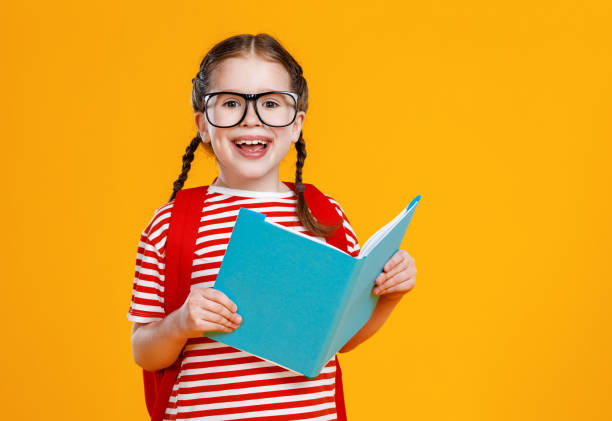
<point x="350" y="284"/>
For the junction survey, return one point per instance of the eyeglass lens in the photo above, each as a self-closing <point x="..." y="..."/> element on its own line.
<point x="276" y="109"/>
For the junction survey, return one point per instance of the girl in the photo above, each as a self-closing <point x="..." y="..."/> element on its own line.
<point x="250" y="100"/>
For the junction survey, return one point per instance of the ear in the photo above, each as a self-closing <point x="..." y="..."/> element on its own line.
<point x="297" y="125"/>
<point x="202" y="126"/>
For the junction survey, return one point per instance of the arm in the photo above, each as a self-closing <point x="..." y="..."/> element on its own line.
<point x="155" y="338"/>
<point x="397" y="279"/>
<point x="156" y="345"/>
<point x="381" y="313"/>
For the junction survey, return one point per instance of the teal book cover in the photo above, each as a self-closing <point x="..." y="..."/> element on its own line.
<point x="301" y="299"/>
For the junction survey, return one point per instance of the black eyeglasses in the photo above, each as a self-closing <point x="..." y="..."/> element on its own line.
<point x="228" y="109"/>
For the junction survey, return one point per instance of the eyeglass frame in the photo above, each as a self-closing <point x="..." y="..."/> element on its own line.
<point x="248" y="98"/>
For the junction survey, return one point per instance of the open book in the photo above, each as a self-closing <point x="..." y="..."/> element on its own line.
<point x="301" y="299"/>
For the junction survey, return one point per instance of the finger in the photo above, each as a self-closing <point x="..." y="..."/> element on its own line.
<point x="404" y="286"/>
<point x="222" y="328"/>
<point x="396" y="279"/>
<point x="220" y="297"/>
<point x="394" y="260"/>
<point x="388" y="284"/>
<point x="220" y="309"/>
<point x="380" y="279"/>
<point x="206" y="326"/>
<point x="399" y="255"/>
<point x="216" y="318"/>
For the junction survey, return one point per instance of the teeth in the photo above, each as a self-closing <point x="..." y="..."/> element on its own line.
<point x="250" y="142"/>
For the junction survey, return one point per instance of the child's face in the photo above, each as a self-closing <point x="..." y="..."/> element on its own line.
<point x="250" y="75"/>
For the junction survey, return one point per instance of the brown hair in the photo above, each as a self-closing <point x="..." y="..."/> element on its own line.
<point x="265" y="46"/>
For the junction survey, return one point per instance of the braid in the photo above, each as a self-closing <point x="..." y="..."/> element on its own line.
<point x="304" y="214"/>
<point x="300" y="146"/>
<point x="187" y="158"/>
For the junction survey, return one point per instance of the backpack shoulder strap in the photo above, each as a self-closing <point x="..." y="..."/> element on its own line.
<point x="182" y="235"/>
<point x="180" y="247"/>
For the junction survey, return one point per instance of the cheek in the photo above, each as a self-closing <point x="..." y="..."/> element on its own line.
<point x="286" y="149"/>
<point x="287" y="134"/>
<point x="285" y="141"/>
<point x="217" y="133"/>
<point x="218" y="137"/>
<point x="291" y="133"/>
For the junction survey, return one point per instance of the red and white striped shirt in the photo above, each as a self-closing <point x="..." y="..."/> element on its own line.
<point x="216" y="381"/>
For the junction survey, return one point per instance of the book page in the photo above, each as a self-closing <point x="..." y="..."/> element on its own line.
<point x="370" y="244"/>
<point x="380" y="234"/>
<point x="320" y="240"/>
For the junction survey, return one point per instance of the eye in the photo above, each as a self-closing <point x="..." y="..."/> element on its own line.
<point x="231" y="104"/>
<point x="270" y="104"/>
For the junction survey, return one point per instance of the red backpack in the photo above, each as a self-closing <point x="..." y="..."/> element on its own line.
<point x="180" y="247"/>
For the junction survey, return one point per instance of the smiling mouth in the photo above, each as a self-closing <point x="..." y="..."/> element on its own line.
<point x="251" y="146"/>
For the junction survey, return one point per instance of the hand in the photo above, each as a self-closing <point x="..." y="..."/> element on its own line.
<point x="398" y="278"/>
<point x="206" y="310"/>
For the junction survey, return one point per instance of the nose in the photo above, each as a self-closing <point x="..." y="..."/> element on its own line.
<point x="251" y="119"/>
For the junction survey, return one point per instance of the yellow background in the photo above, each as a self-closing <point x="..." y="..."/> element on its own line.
<point x="497" y="113"/>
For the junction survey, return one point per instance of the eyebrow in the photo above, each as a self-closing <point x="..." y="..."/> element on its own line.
<point x="242" y="92"/>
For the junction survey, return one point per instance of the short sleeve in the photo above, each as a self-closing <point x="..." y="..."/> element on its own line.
<point x="147" y="304"/>
<point x="351" y="237"/>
